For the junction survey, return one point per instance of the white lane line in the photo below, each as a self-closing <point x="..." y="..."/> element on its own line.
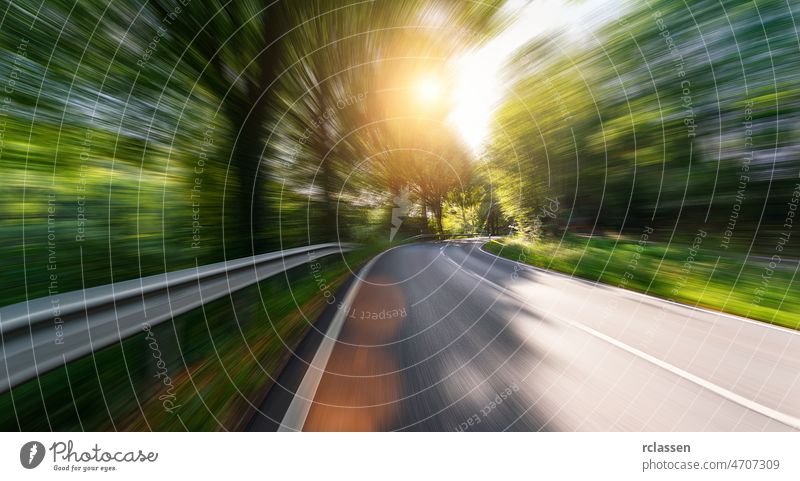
<point x="784" y="418"/>
<point x="295" y="417"/>
<point x="766" y="325"/>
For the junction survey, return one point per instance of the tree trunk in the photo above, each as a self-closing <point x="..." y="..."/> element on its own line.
<point x="437" y="214"/>
<point x="330" y="223"/>
<point x="246" y="158"/>
<point x="463" y="211"/>
<point x="250" y="116"/>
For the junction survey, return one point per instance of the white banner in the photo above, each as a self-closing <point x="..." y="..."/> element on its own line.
<point x="399" y="456"/>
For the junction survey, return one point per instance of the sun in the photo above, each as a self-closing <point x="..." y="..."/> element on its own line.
<point x="468" y="102"/>
<point x="429" y="90"/>
<point x="478" y="80"/>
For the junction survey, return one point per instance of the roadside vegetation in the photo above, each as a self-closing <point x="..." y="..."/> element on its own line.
<point x="219" y="361"/>
<point x="669" y="270"/>
<point x="143" y="137"/>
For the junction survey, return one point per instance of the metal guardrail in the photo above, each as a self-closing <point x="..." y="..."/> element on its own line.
<point x="42" y="334"/>
<point x="439" y="236"/>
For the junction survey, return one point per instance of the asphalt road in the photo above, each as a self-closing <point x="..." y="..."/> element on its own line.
<point x="445" y="336"/>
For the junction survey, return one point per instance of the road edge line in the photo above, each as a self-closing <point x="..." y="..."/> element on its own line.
<point x="747" y="320"/>
<point x="297" y="412"/>
<point x="731" y="396"/>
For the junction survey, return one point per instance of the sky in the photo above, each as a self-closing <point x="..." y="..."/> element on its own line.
<point x="480" y="85"/>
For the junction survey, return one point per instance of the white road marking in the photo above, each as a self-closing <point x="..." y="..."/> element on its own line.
<point x="295" y="417"/>
<point x="784" y="418"/>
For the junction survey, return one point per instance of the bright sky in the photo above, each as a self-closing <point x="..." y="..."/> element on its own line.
<point x="479" y="85"/>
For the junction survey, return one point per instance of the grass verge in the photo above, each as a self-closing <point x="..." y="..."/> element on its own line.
<point x="218" y="361"/>
<point x="682" y="271"/>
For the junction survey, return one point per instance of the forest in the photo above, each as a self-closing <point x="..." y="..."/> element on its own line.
<point x="142" y="137"/>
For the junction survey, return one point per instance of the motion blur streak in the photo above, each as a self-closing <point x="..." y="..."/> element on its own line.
<point x="650" y="146"/>
<point x="468" y="338"/>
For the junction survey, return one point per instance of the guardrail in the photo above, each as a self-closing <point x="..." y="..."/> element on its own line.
<point x="439" y="236"/>
<point x="42" y="334"/>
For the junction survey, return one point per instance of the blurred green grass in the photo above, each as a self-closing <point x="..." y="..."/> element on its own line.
<point x="726" y="282"/>
<point x="220" y="358"/>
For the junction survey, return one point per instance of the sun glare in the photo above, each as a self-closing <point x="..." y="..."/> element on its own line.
<point x="430" y="90"/>
<point x="479" y="85"/>
<point x="475" y="97"/>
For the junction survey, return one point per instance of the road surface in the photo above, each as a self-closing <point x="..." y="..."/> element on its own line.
<point x="445" y="336"/>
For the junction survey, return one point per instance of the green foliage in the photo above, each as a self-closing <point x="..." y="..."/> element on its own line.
<point x="219" y="360"/>
<point x="724" y="283"/>
<point x="650" y="119"/>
